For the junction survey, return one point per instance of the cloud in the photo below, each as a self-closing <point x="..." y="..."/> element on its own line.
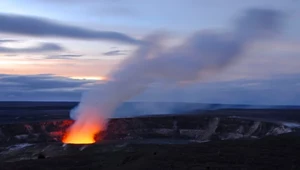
<point x="41" y="87"/>
<point x="115" y="52"/>
<point x="64" y="56"/>
<point x="7" y="40"/>
<point x="43" y="47"/>
<point x="39" y="82"/>
<point x="31" y="26"/>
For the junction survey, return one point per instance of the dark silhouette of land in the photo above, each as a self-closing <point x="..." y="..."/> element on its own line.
<point x="40" y="121"/>
<point x="281" y="152"/>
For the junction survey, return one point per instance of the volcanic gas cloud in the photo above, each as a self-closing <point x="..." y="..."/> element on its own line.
<point x="199" y="55"/>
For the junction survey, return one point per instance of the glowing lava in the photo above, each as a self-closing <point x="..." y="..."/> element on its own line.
<point x="83" y="131"/>
<point x="79" y="138"/>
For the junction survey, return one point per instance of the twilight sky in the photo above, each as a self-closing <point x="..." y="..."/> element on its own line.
<point x="56" y="49"/>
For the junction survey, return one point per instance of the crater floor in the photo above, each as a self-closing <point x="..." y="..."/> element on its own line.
<point x="273" y="152"/>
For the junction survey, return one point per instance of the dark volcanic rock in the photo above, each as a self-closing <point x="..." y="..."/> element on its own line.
<point x="199" y="128"/>
<point x="269" y="153"/>
<point x="34" y="132"/>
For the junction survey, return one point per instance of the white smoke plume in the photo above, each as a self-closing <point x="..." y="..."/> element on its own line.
<point x="199" y="55"/>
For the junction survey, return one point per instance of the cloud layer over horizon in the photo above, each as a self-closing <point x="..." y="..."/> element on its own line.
<point x="272" y="91"/>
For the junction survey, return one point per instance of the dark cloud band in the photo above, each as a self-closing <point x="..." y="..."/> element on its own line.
<point x="7" y="40"/>
<point x="64" y="56"/>
<point x="24" y="25"/>
<point x="39" y="82"/>
<point x="115" y="53"/>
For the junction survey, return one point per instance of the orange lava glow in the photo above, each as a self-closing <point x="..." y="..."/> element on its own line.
<point x="79" y="138"/>
<point x="82" y="132"/>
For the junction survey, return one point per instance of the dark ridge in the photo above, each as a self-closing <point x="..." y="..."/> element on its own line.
<point x="31" y="111"/>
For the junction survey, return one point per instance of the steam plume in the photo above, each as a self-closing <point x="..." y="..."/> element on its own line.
<point x="198" y="55"/>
